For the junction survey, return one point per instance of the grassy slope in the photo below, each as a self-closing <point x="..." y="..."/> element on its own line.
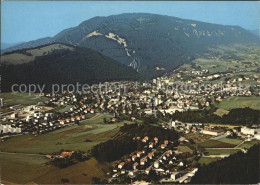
<point x="20" y="58"/>
<point x="20" y="168"/>
<point x="184" y="149"/>
<point x="207" y="160"/>
<point x="222" y="143"/>
<point x="249" y="144"/>
<point x="22" y="98"/>
<point x="216" y="144"/>
<point x="66" y="108"/>
<point x="70" y="138"/>
<point x="221" y="112"/>
<point x="231" y="141"/>
<point x="221" y="151"/>
<point x="240" y="102"/>
<point x="79" y="173"/>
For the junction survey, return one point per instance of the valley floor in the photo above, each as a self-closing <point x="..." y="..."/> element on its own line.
<point x="24" y="155"/>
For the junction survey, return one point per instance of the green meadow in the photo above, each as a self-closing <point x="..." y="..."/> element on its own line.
<point x="22" y="98"/>
<point x="240" y="102"/>
<point x="89" y="133"/>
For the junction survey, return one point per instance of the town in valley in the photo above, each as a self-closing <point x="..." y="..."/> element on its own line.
<point x="155" y="103"/>
<point x="131" y="92"/>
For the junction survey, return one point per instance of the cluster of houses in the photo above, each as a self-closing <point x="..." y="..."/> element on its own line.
<point x="166" y="94"/>
<point x="184" y="73"/>
<point x="64" y="154"/>
<point x="140" y="159"/>
<point x="9" y="129"/>
<point x="35" y="119"/>
<point x="245" y="132"/>
<point x="52" y="121"/>
<point x="184" y="127"/>
<point x="250" y="133"/>
<point x="131" y="103"/>
<point x="157" y="156"/>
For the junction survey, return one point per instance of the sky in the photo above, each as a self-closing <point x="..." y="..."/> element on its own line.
<point x="30" y="20"/>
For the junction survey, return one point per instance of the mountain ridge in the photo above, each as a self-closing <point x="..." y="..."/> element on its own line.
<point x="155" y="41"/>
<point x="5" y="45"/>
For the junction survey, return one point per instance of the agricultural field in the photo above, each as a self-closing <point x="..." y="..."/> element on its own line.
<point x="99" y="118"/>
<point x="30" y="169"/>
<point x="221" y="151"/>
<point x="215" y="65"/>
<point x="249" y="144"/>
<point x="60" y="108"/>
<point x="83" y="137"/>
<point x="220" y="112"/>
<point x="237" y="57"/>
<point x="220" y="147"/>
<point x="76" y="174"/>
<point x="231" y="141"/>
<point x="25" y="167"/>
<point x="184" y="149"/>
<point x="216" y="144"/>
<point x="213" y="149"/>
<point x="221" y="143"/>
<point x="22" y="98"/>
<point x="66" y="108"/>
<point x="197" y="138"/>
<point x="240" y="102"/>
<point x="207" y="160"/>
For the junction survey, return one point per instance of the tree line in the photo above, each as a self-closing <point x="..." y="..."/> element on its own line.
<point x="239" y="168"/>
<point x="241" y="116"/>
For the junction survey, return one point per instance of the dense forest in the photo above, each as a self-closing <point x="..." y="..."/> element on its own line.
<point x="66" y="67"/>
<point x="148" y="130"/>
<point x="245" y="116"/>
<point x="240" y="168"/>
<point x="241" y="116"/>
<point x="124" y="143"/>
<point x="114" y="149"/>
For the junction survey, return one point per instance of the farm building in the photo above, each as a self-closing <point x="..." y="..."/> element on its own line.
<point x="247" y="131"/>
<point x="209" y="131"/>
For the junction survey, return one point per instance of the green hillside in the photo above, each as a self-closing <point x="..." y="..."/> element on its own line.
<point x="65" y="66"/>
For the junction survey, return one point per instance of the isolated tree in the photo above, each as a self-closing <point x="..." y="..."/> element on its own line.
<point x="64" y="181"/>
